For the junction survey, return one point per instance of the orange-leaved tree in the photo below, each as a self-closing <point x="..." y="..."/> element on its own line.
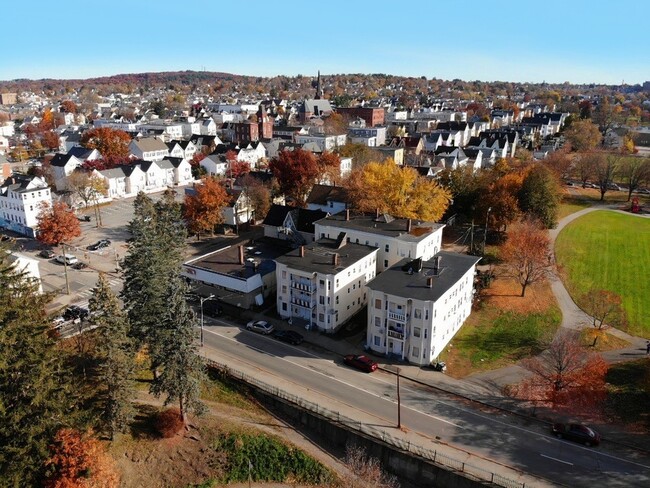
<point x="57" y="224"/>
<point x="79" y="461"/>
<point x="526" y="253"/>
<point x="113" y="144"/>
<point x="203" y="209"/>
<point x="605" y="308"/>
<point x="565" y="375"/>
<point x="397" y="190"/>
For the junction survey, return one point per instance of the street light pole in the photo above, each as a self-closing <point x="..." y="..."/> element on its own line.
<point x="487" y="218"/>
<point x="399" y="404"/>
<point x="203" y="299"/>
<point x="65" y="270"/>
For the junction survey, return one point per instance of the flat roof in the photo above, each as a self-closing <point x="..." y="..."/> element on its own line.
<point x="399" y="281"/>
<point x="384" y="225"/>
<point x="319" y="256"/>
<point x="259" y="257"/>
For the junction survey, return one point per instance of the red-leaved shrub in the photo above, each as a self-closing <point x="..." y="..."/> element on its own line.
<point x="169" y="422"/>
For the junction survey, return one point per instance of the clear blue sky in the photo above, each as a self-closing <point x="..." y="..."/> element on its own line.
<point x="580" y="41"/>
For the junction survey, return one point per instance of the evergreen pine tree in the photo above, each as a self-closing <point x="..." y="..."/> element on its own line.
<point x="182" y="369"/>
<point x="115" y="358"/>
<point x="34" y="389"/>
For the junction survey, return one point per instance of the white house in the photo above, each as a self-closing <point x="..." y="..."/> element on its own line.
<point x="252" y="154"/>
<point x="292" y="224"/>
<point x="215" y="164"/>
<point x="324" y="142"/>
<point x="182" y="170"/>
<point x="28" y="266"/>
<point x="155" y="176"/>
<point x="395" y="238"/>
<point x="21" y="198"/>
<point x="323" y="284"/>
<point x="62" y="166"/>
<point x="416" y="307"/>
<point x="175" y="149"/>
<point x="328" y="198"/>
<point x="149" y="148"/>
<point x="123" y="181"/>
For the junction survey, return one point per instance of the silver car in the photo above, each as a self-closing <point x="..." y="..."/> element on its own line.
<point x="260" y="326"/>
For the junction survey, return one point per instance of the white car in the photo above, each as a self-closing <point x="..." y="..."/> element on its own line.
<point x="260" y="326"/>
<point x="68" y="259"/>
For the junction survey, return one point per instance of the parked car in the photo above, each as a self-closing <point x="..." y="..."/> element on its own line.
<point x="79" y="265"/>
<point x="57" y="322"/>
<point x="439" y="366"/>
<point x="260" y="326"/>
<point x="577" y="433"/>
<point x="101" y="244"/>
<point x="84" y="218"/>
<point x="68" y="259"/>
<point x="47" y="253"/>
<point x="364" y="363"/>
<point x="75" y="313"/>
<point x="289" y="336"/>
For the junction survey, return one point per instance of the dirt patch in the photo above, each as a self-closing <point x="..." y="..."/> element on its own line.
<point x="505" y="294"/>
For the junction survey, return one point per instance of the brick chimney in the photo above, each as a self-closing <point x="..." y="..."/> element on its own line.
<point x="241" y="254"/>
<point x="436" y="265"/>
<point x="376" y="213"/>
<point x="429" y="282"/>
<point x="335" y="259"/>
<point x="347" y="214"/>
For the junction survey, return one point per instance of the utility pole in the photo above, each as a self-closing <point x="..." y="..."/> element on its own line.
<point x="399" y="403"/>
<point x="471" y="239"/>
<point x="487" y="218"/>
<point x="65" y="270"/>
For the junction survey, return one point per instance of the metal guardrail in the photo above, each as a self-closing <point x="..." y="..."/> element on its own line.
<point x="377" y="433"/>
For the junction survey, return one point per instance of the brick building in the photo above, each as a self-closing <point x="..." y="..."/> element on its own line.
<point x="372" y="116"/>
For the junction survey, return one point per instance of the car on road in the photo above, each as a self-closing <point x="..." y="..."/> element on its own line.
<point x="75" y="313"/>
<point x="260" y="326"/>
<point x="577" y="433"/>
<point x="47" y="253"/>
<point x="290" y="336"/>
<point x="83" y="218"/>
<point x="101" y="244"/>
<point x="68" y="259"/>
<point x="79" y="265"/>
<point x="359" y="361"/>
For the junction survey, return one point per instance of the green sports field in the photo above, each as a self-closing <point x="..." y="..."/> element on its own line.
<point x="611" y="251"/>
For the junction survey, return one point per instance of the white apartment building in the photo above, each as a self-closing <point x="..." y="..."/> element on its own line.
<point x="416" y="307"/>
<point x="322" y="285"/>
<point x="21" y="198"/>
<point x="395" y="238"/>
<point x="149" y="148"/>
<point x="324" y="142"/>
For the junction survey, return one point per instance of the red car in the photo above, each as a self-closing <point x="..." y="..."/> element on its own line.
<point x="364" y="363"/>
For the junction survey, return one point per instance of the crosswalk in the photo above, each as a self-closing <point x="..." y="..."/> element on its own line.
<point x="114" y="283"/>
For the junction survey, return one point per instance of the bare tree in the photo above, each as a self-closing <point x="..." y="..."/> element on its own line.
<point x="634" y="172"/>
<point x="605" y="166"/>
<point x="366" y="471"/>
<point x="604" y="307"/>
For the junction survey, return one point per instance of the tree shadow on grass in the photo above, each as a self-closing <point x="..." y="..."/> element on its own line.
<point x="143" y="425"/>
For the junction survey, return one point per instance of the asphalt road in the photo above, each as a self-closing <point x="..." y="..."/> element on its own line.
<point x="500" y="437"/>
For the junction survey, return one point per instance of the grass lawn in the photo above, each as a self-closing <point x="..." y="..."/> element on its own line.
<point x="629" y="394"/>
<point x="571" y="204"/>
<point x="505" y="329"/>
<point x="611" y="251"/>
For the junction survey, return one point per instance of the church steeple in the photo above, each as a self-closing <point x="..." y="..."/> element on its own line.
<point x="319" y="89"/>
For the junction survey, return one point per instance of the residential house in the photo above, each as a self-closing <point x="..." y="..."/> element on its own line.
<point x="62" y="166"/>
<point x="21" y="200"/>
<point x="291" y="224"/>
<point x="239" y="209"/>
<point x="451" y="157"/>
<point x="182" y="171"/>
<point x="28" y="267"/>
<point x="123" y="181"/>
<point x="208" y="127"/>
<point x="149" y="148"/>
<point x="84" y="154"/>
<point x="370" y="136"/>
<point x="323" y="285"/>
<point x="155" y="175"/>
<point x="323" y="142"/>
<point x="396" y="238"/>
<point x="328" y="198"/>
<point x="215" y="164"/>
<point x="394" y="153"/>
<point x="175" y="150"/>
<point x="417" y="306"/>
<point x="252" y="153"/>
<point x="372" y="116"/>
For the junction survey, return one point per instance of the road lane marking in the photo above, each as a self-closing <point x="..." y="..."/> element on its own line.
<point x="337" y="379"/>
<point x="556" y="459"/>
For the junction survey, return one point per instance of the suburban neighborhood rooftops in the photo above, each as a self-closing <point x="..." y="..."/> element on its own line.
<point x="383" y="225"/>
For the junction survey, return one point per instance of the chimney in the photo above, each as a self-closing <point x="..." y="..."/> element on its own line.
<point x="347" y="214"/>
<point x="377" y="214"/>
<point x="429" y="282"/>
<point x="241" y="254"/>
<point x="301" y="251"/>
<point x="436" y="265"/>
<point x="409" y="225"/>
<point x="335" y="259"/>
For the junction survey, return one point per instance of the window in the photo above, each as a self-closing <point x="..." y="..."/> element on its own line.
<point x="425" y="333"/>
<point x="377" y="341"/>
<point x="416" y="332"/>
<point x="321" y="300"/>
<point x="387" y="248"/>
<point x="385" y="263"/>
<point x="284" y="306"/>
<point x="417" y="313"/>
<point x="284" y="288"/>
<point x="378" y="304"/>
<point x="415" y="352"/>
<point x="322" y="282"/>
<point x="378" y="321"/>
<point x="321" y="317"/>
<point x="284" y="274"/>
<point x="337" y="299"/>
<point x="426" y="314"/>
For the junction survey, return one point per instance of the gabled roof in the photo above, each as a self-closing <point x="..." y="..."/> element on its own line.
<point x="303" y="218"/>
<point x="148" y="144"/>
<point x="61" y="160"/>
<point x="22" y="183"/>
<point x="80" y="152"/>
<point x="322" y="194"/>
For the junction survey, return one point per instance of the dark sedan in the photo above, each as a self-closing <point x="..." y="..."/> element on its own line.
<point x="364" y="363"/>
<point x="101" y="244"/>
<point x="577" y="433"/>
<point x="75" y="313"/>
<point x="289" y="336"/>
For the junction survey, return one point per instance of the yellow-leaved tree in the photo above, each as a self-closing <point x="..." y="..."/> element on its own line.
<point x="397" y="190"/>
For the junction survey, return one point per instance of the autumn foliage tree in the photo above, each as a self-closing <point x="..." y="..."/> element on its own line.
<point x="79" y="461"/>
<point x="113" y="144"/>
<point x="583" y="135"/>
<point x="57" y="224"/>
<point x="296" y="172"/>
<point x="565" y="375"/>
<point x="604" y="307"/>
<point x="526" y="253"/>
<point x="397" y="190"/>
<point x="50" y="140"/>
<point x="203" y="209"/>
